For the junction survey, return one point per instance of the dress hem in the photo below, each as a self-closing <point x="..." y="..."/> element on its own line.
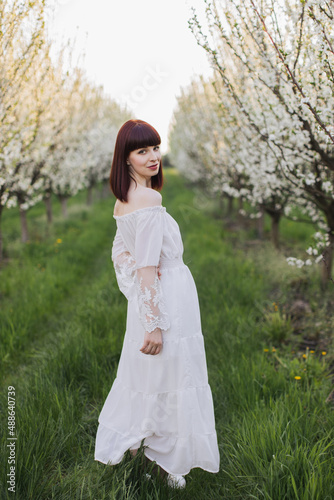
<point x="181" y="473"/>
<point x="150" y="457"/>
<point x="212" y="471"/>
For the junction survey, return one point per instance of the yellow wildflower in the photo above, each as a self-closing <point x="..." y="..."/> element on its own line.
<point x="312" y="352"/>
<point x="304" y="356"/>
<point x="265" y="350"/>
<point x="297" y="377"/>
<point x="324" y="353"/>
<point x="59" y="240"/>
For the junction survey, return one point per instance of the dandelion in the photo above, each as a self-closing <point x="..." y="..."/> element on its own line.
<point x="297" y="377"/>
<point x="312" y="352"/>
<point x="59" y="240"/>
<point x="265" y="350"/>
<point x="273" y="349"/>
<point x="304" y="356"/>
<point x="324" y="353"/>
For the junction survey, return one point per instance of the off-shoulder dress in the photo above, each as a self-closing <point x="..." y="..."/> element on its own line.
<point x="164" y="399"/>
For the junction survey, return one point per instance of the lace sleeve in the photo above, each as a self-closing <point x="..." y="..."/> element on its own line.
<point x="124" y="265"/>
<point x="148" y="245"/>
<point x="151" y="304"/>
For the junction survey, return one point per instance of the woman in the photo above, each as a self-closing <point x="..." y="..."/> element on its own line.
<point x="161" y="393"/>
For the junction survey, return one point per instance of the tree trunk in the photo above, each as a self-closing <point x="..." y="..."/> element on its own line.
<point x="229" y="205"/>
<point x="240" y="203"/>
<point x="105" y="189"/>
<point x="63" y="203"/>
<point x="327" y="263"/>
<point x="99" y="191"/>
<point x="24" y="225"/>
<point x="275" y="220"/>
<point x="1" y="241"/>
<point x="260" y="224"/>
<point x="89" y="195"/>
<point x="241" y="218"/>
<point x="48" y="206"/>
<point x="221" y="203"/>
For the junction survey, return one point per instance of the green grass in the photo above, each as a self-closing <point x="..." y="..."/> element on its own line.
<point x="62" y="330"/>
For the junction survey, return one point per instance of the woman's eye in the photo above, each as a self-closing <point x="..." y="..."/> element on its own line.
<point x="157" y="147"/>
<point x="142" y="151"/>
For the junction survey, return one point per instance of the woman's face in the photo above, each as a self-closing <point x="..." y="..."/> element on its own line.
<point x="145" y="162"/>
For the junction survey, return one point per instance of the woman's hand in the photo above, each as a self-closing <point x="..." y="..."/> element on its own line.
<point x="152" y="342"/>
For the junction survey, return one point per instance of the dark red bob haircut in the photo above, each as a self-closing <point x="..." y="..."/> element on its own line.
<point x="134" y="134"/>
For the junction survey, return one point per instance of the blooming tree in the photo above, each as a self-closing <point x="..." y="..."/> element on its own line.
<point x="82" y="151"/>
<point x="21" y="39"/>
<point x="285" y="50"/>
<point x="234" y="163"/>
<point x="57" y="131"/>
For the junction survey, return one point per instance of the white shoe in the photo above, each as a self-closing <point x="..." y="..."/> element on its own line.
<point x="176" y="481"/>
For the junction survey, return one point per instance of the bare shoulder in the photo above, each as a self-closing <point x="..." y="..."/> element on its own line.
<point x="146" y="197"/>
<point x="141" y="197"/>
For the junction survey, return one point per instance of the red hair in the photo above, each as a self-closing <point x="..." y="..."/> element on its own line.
<point x="134" y="134"/>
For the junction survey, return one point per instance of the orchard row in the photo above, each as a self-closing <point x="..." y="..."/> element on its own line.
<point x="262" y="128"/>
<point x="57" y="130"/>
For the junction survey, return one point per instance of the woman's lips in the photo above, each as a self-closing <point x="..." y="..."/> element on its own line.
<point x="154" y="167"/>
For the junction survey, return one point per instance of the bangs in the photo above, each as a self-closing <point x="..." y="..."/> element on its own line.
<point x="142" y="135"/>
<point x="133" y="134"/>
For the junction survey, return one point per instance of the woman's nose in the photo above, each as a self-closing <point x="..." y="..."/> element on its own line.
<point x="155" y="155"/>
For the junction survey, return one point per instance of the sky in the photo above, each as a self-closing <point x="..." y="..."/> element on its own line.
<point x="141" y="51"/>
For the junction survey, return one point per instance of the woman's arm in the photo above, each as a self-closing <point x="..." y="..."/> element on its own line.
<point x="151" y="301"/>
<point x="125" y="267"/>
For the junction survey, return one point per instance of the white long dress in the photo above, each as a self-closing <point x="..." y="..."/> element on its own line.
<point x="164" y="399"/>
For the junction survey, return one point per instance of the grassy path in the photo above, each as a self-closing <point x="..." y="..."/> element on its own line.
<point x="61" y="347"/>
